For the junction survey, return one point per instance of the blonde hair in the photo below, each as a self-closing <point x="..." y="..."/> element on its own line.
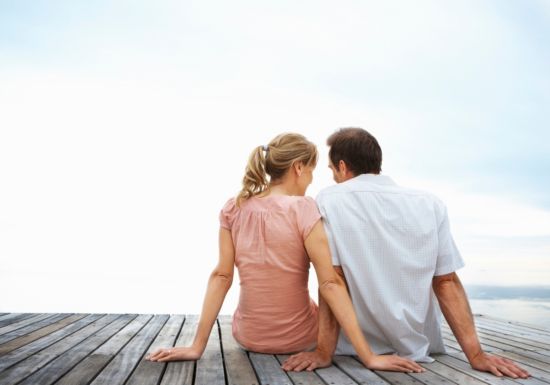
<point x="270" y="163"/>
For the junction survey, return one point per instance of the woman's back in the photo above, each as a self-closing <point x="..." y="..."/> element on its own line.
<point x="275" y="312"/>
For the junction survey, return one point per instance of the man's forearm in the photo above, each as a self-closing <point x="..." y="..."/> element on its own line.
<point x="456" y="309"/>
<point x="328" y="329"/>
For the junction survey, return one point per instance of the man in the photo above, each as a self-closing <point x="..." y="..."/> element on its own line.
<point x="393" y="248"/>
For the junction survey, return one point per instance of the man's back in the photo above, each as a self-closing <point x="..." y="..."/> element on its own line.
<point x="390" y="242"/>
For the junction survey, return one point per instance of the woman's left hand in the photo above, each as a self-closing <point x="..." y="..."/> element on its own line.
<point x="175" y="354"/>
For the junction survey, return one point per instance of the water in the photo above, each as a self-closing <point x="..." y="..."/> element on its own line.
<point x="138" y="293"/>
<point x="529" y="304"/>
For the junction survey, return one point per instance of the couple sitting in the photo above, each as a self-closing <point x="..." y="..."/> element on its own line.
<point x="387" y="247"/>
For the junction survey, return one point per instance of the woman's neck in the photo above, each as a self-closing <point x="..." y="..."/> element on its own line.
<point x="283" y="188"/>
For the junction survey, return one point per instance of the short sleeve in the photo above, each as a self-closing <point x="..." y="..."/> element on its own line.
<point x="227" y="214"/>
<point x="329" y="231"/>
<point x="307" y="216"/>
<point x="448" y="256"/>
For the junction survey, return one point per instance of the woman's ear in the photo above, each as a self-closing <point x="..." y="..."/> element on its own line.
<point x="298" y="167"/>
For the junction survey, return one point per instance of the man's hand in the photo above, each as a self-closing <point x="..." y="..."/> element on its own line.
<point x="498" y="366"/>
<point x="308" y="361"/>
<point x="394" y="363"/>
<point x="175" y="354"/>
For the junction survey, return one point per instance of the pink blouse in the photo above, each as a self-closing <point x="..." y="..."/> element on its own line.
<point x="275" y="312"/>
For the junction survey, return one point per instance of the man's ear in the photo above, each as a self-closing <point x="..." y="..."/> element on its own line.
<point x="342" y="167"/>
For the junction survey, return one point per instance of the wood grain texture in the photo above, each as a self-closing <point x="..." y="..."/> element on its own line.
<point x="40" y="359"/>
<point x="514" y="323"/>
<point x="451" y="374"/>
<point x="37" y="326"/>
<point x="121" y="366"/>
<point x="238" y="367"/>
<point x="182" y="372"/>
<point x="109" y="349"/>
<point x="333" y="375"/>
<point x="8" y="319"/>
<point x="148" y="372"/>
<point x="68" y="360"/>
<point x="25" y="351"/>
<point x="21" y="323"/>
<point x="93" y="364"/>
<point x="357" y="371"/>
<point x="210" y="368"/>
<point x="268" y="369"/>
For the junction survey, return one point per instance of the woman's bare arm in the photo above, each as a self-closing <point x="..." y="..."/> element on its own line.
<point x="218" y="285"/>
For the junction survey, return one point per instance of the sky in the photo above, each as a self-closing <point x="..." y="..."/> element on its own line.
<point x="125" y="126"/>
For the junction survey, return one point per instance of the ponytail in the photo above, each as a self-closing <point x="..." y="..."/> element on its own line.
<point x="269" y="164"/>
<point x="255" y="178"/>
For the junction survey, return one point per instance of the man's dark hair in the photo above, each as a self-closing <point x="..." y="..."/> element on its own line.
<point x="357" y="148"/>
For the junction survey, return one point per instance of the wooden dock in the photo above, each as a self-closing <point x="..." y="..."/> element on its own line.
<point x="110" y="348"/>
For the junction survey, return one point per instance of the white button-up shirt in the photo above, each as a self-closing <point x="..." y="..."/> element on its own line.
<point x="390" y="241"/>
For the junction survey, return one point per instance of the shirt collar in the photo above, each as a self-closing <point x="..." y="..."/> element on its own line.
<point x="375" y="178"/>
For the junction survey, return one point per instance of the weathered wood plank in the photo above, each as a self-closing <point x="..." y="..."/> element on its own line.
<point x="301" y="378"/>
<point x="102" y="350"/>
<point x="33" y="327"/>
<point x="88" y="368"/>
<point x="14" y="317"/>
<point x="516" y="323"/>
<point x="238" y="367"/>
<point x="333" y="375"/>
<point x="122" y="365"/>
<point x="540" y="343"/>
<point x="452" y="374"/>
<point x="357" y="371"/>
<point x="181" y="373"/>
<point x="513" y="331"/>
<point x="268" y="369"/>
<point x="488" y="345"/>
<point x="38" y="360"/>
<point x="506" y="339"/>
<point x="398" y="378"/>
<point x="451" y="343"/>
<point x="210" y="370"/>
<point x="450" y="349"/>
<point x="65" y="362"/>
<point x="148" y="372"/>
<point x="38" y="334"/>
<point x="22" y="323"/>
<point x="491" y="344"/>
<point x="532" y="355"/>
<point x="431" y="377"/>
<point x="25" y="351"/>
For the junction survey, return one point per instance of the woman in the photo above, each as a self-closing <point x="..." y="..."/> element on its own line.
<point x="271" y="232"/>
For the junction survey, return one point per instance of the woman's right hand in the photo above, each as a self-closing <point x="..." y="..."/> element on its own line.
<point x="393" y="363"/>
<point x="175" y="354"/>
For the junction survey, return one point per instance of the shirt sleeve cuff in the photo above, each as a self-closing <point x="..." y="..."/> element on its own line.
<point x="448" y="269"/>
